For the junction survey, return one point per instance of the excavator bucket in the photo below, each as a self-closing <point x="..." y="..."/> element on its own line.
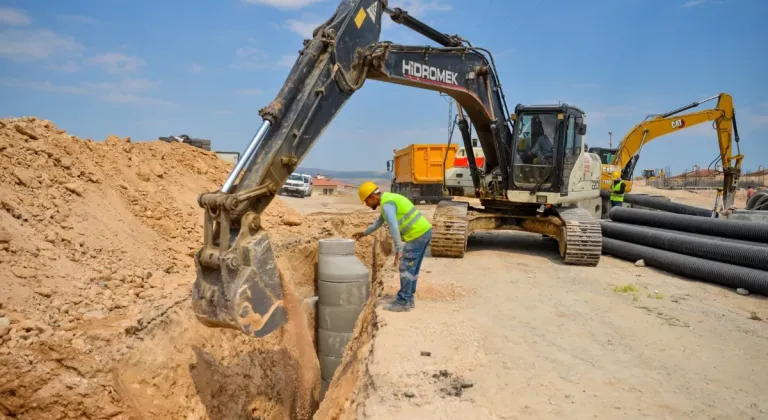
<point x="238" y="283"/>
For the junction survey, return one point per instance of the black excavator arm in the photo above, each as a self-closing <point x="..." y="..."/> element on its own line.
<point x="238" y="285"/>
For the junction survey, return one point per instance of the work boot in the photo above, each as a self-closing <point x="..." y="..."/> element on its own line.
<point x="412" y="304"/>
<point x="398" y="307"/>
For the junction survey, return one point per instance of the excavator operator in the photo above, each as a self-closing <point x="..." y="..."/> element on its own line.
<point x="617" y="190"/>
<point x="411" y="233"/>
<point x="543" y="148"/>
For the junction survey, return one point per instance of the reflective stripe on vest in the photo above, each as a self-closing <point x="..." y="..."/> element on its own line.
<point x="412" y="224"/>
<point x="615" y="195"/>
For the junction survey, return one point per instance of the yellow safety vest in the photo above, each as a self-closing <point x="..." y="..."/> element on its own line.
<point x="615" y="195"/>
<point x="411" y="222"/>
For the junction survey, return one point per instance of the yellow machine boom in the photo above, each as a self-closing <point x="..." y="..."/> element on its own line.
<point x="724" y="118"/>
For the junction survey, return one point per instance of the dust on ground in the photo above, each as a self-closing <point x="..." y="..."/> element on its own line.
<point x="96" y="245"/>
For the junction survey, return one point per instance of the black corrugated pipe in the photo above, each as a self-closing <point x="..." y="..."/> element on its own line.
<point x="755" y="198"/>
<point x="733" y="276"/>
<point x="698" y="235"/>
<point x="760" y="202"/>
<point x="659" y="204"/>
<point x="743" y="255"/>
<point x="737" y="229"/>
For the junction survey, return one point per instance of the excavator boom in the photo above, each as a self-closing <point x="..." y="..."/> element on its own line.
<point x="238" y="285"/>
<point x="724" y="118"/>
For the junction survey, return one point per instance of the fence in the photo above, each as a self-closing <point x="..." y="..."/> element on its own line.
<point x="694" y="181"/>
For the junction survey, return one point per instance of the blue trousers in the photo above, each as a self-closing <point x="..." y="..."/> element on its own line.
<point x="410" y="264"/>
<point x="616" y="203"/>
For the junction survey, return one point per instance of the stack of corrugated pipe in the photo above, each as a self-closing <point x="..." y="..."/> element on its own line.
<point x="759" y="201"/>
<point x="687" y="241"/>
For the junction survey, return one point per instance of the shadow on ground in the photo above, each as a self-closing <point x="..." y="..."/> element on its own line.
<point x="251" y="387"/>
<point x="514" y="243"/>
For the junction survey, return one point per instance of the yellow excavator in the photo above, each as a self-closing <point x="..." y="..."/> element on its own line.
<point x="624" y="158"/>
<point x="550" y="186"/>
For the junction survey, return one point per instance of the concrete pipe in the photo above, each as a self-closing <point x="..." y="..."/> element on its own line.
<point x="343" y="283"/>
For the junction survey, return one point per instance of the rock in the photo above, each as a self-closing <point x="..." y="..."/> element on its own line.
<point x="466" y="384"/>
<point x="75" y="188"/>
<point x="5" y="236"/>
<point x="291" y="221"/>
<point x="94" y="315"/>
<point x="754" y="316"/>
<point x="426" y="353"/>
<point x="743" y="292"/>
<point x="409" y="394"/>
<point x="24" y="132"/>
<point x="44" y="291"/>
<point x="67" y="327"/>
<point x="22" y="177"/>
<point x="65" y="162"/>
<point x="5" y="322"/>
<point x="640" y="263"/>
<point x="23" y="273"/>
<point x="156" y="169"/>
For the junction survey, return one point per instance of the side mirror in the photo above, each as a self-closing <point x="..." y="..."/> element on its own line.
<point x="474" y="142"/>
<point x="581" y="129"/>
<point x="389" y="166"/>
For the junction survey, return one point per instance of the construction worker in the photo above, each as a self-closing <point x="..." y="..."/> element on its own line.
<point x="617" y="190"/>
<point x="411" y="233"/>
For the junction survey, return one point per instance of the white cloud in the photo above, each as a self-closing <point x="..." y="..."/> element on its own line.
<point x="305" y="26"/>
<point x="37" y="45"/>
<point x="69" y="66"/>
<point x="253" y="58"/>
<point x="195" y="68"/>
<point x="249" y="91"/>
<point x="13" y="17"/>
<point x="694" y="3"/>
<point x="759" y="120"/>
<point x="285" y="4"/>
<point x="127" y="91"/>
<point x="83" y="20"/>
<point x="117" y="63"/>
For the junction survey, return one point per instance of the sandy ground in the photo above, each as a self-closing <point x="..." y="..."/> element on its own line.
<point x="96" y="245"/>
<point x="513" y="333"/>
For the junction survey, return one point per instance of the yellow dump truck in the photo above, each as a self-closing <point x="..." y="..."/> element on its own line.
<point x="419" y="171"/>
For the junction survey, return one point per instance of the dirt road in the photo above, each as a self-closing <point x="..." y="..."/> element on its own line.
<point x="531" y="338"/>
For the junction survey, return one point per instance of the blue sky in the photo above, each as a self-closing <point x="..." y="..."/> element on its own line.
<point x="152" y="68"/>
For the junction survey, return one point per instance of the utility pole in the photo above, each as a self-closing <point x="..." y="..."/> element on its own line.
<point x="610" y="139"/>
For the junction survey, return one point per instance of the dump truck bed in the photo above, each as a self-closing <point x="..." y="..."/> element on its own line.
<point x="423" y="163"/>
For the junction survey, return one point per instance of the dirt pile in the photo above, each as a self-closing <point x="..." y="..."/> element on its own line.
<point x="96" y="240"/>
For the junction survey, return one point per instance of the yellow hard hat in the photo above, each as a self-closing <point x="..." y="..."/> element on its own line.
<point x="366" y="189"/>
<point x="616" y="174"/>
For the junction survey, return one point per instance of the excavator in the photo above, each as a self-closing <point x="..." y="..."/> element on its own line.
<point x="624" y="157"/>
<point x="550" y="186"/>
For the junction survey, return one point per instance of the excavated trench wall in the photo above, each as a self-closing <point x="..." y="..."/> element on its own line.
<point x="96" y="240"/>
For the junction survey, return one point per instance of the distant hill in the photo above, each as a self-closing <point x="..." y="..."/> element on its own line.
<point x="343" y="175"/>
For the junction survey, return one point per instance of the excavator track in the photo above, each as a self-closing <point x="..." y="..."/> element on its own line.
<point x="583" y="241"/>
<point x="450" y="224"/>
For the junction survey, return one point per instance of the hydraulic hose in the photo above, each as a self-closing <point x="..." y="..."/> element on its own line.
<point x="712" y="249"/>
<point x="736" y="229"/>
<point x="729" y="275"/>
<point x="659" y="204"/>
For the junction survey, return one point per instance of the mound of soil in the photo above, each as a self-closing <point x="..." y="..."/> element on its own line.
<point x="96" y="268"/>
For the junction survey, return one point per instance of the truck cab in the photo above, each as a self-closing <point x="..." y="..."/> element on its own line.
<point x="458" y="180"/>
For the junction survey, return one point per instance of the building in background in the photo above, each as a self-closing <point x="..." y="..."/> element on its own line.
<point x="325" y="186"/>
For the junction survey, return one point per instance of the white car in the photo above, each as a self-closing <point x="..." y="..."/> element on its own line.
<point x="298" y="185"/>
<point x="458" y="180"/>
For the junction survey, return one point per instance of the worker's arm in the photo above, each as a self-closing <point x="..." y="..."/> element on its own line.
<point x="622" y="187"/>
<point x="374" y="226"/>
<point x="390" y="212"/>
